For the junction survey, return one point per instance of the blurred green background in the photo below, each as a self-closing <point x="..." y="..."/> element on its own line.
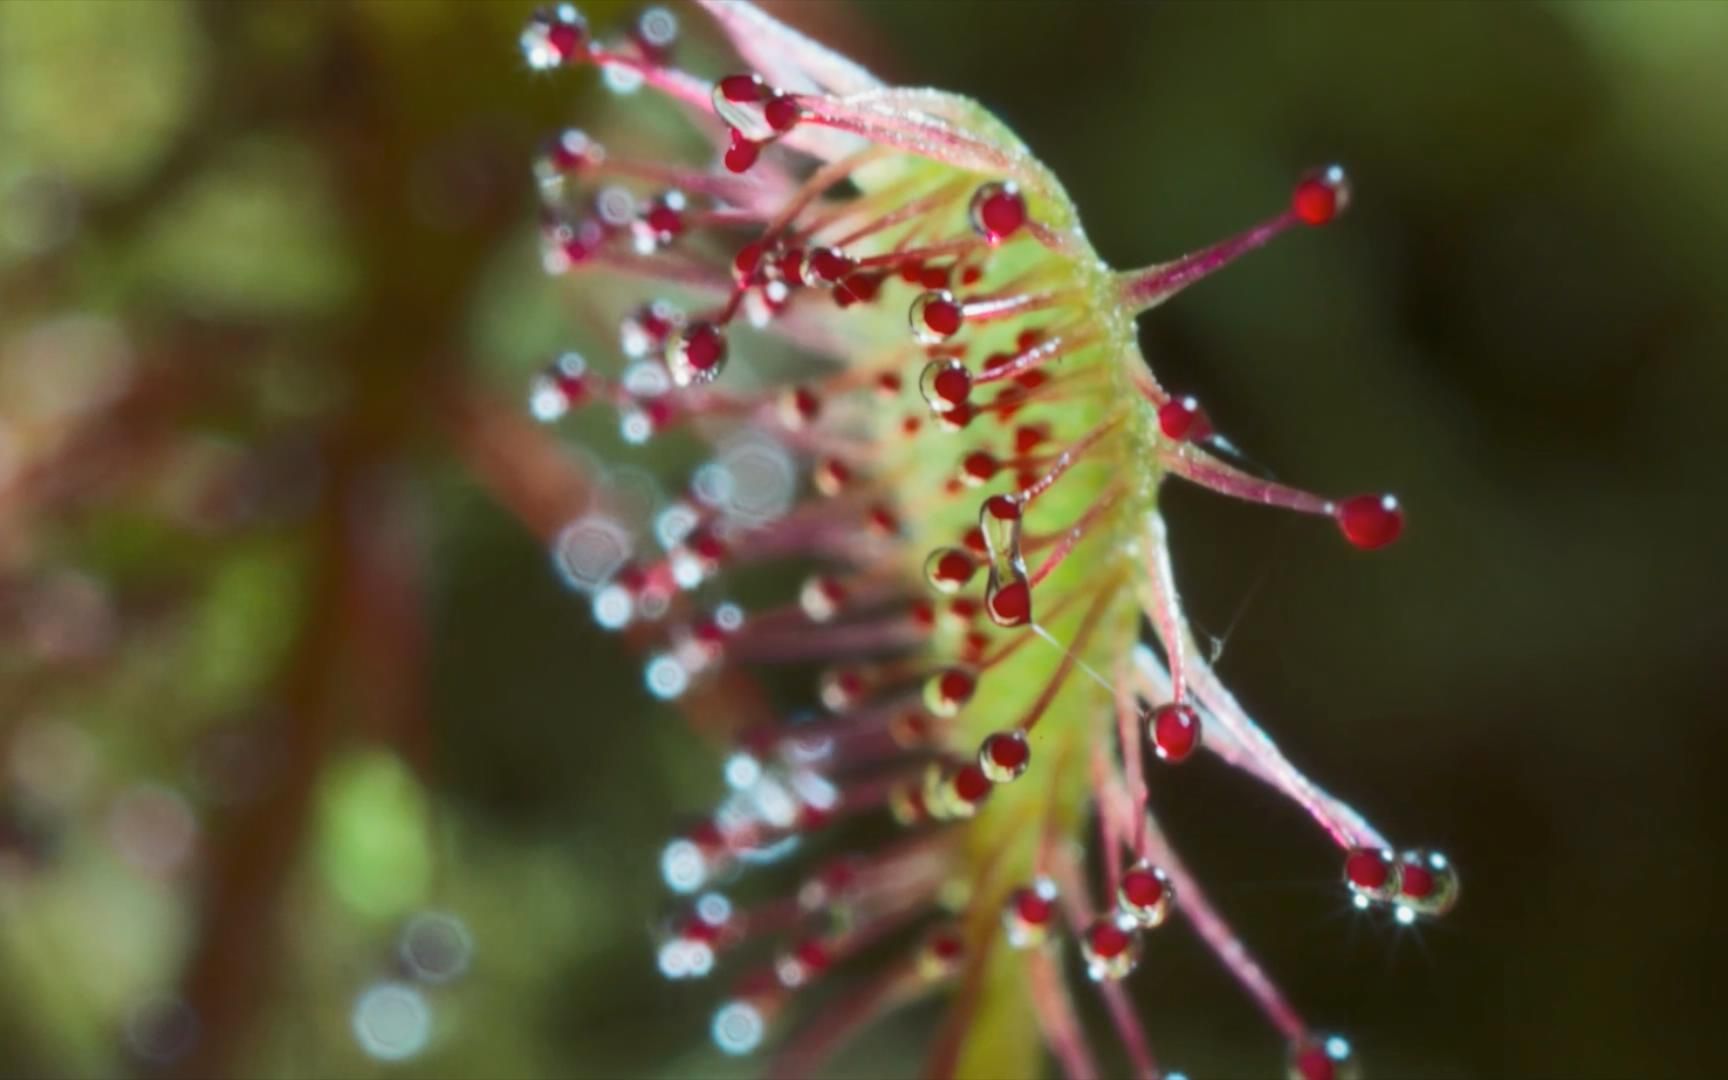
<point x="292" y="710"/>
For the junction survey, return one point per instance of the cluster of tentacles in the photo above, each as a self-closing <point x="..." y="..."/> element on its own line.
<point x="921" y="381"/>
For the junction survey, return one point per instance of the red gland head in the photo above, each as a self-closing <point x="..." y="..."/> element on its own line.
<point x="841" y="688"/>
<point x="554" y="36"/>
<point x="696" y="354"/>
<point x="1322" y="1057"/>
<point x="1110" y="948"/>
<point x="645" y="329"/>
<point x="968" y="789"/>
<point x="998" y="211"/>
<point x="821" y="598"/>
<point x="1427" y="884"/>
<point x="565" y="384"/>
<point x="1144" y="895"/>
<point x="936" y="316"/>
<point x="782" y="113"/>
<point x="949" y="569"/>
<point x="1370" y="521"/>
<point x="741" y="152"/>
<point x="740" y="90"/>
<point x="907" y="805"/>
<point x="572" y="151"/>
<point x="945" y="385"/>
<point x="830" y="476"/>
<point x="1004" y="756"/>
<point x="823" y="267"/>
<point x="979" y="468"/>
<point x="1001" y="508"/>
<point x="1029" y="914"/>
<point x="1175" y="731"/>
<point x="799" y="407"/>
<point x="941" y="954"/>
<point x="1009" y="603"/>
<point x="747" y="262"/>
<point x="1321" y="195"/>
<point x="948" y="691"/>
<point x="1181" y="419"/>
<point x="1371" y="874"/>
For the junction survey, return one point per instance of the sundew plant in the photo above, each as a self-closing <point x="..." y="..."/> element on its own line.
<point x="918" y="379"/>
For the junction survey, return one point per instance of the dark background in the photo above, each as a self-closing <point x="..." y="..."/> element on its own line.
<point x="278" y="672"/>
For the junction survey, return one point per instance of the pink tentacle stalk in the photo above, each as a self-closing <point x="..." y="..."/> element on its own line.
<point x="968" y="393"/>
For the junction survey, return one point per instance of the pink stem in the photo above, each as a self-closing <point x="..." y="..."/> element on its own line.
<point x="1056" y="1018"/>
<point x="1159" y="599"/>
<point x="1232" y="734"/>
<point x="1067" y="459"/>
<point x="1040" y="353"/>
<point x="1197" y="466"/>
<point x="1128" y="734"/>
<point x="1143" y="289"/>
<point x="1077" y="906"/>
<point x="992" y="308"/>
<point x="838" y="1022"/>
<point x="1230" y="950"/>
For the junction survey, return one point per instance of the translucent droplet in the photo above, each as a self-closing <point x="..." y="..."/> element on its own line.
<point x="963" y="792"/>
<point x="562" y="386"/>
<point x="615" y="206"/>
<point x="588" y="551"/>
<point x="1371" y="874"/>
<point x="763" y="479"/>
<point x="738" y="1027"/>
<point x="621" y="78"/>
<point x="946" y="692"/>
<point x="666" y="677"/>
<point x="947" y="570"/>
<point x="1111" y="948"/>
<point x="741" y="101"/>
<point x="1008" y="597"/>
<point x="613" y="607"/>
<point x="1004" y="756"/>
<point x="655" y="31"/>
<point x="392" y="1021"/>
<point x="554" y="36"/>
<point x="1029" y="913"/>
<point x="945" y="385"/>
<point x="999" y="523"/>
<point x="820" y="598"/>
<point x="801" y="963"/>
<point x="841" y="688"/>
<point x="1427" y="882"/>
<point x="742" y="771"/>
<point x="823" y="267"/>
<point x="644" y="331"/>
<point x="1144" y="895"/>
<point x="935" y="317"/>
<point x="1175" y="731"/>
<point x="696" y="354"/>
<point x="682" y="866"/>
<point x="435" y="947"/>
<point x="998" y="211"/>
<point x="659" y="223"/>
